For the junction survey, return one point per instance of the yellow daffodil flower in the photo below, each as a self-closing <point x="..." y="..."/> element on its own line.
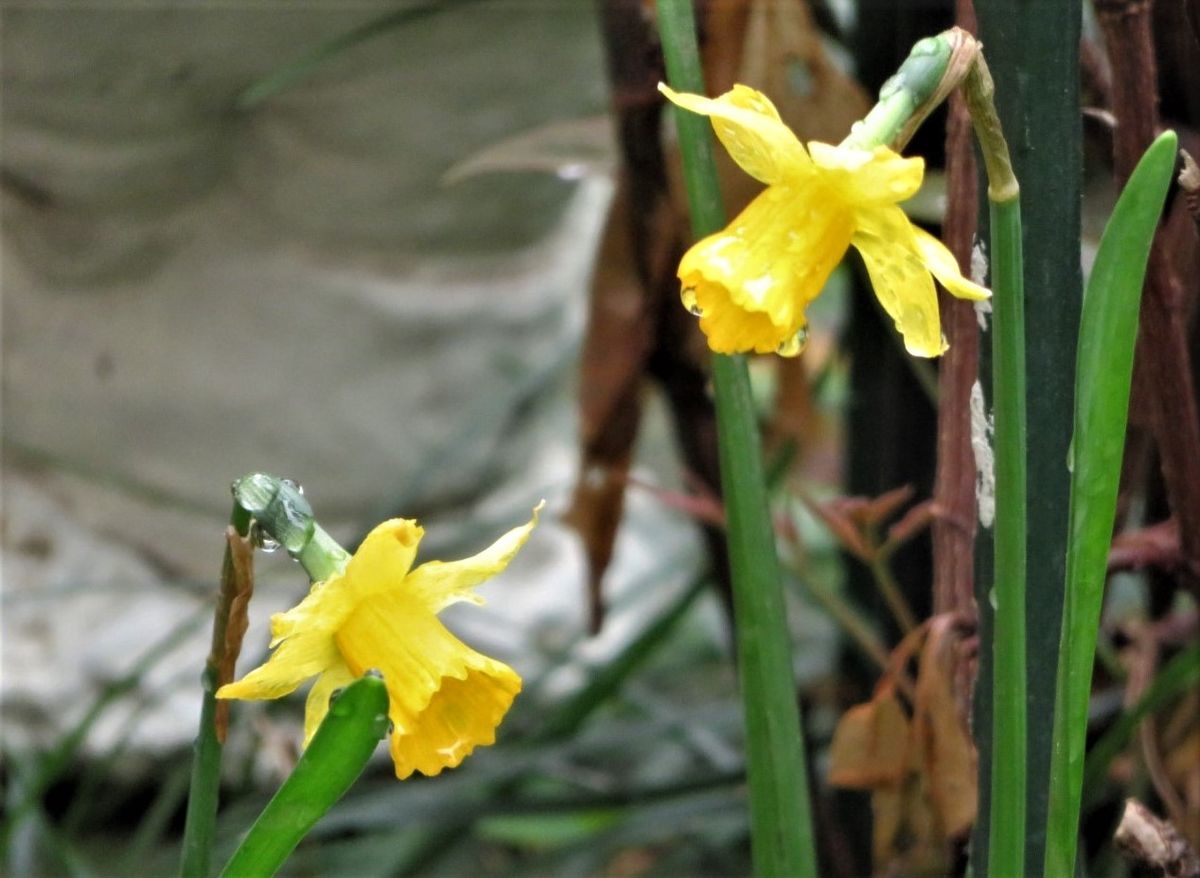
<point x="379" y="613"/>
<point x="751" y="282"/>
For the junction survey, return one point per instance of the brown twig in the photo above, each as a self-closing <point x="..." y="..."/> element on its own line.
<point x="954" y="481"/>
<point x="1189" y="182"/>
<point x="1162" y="373"/>
<point x="1141" y="673"/>
<point x="1154" y="546"/>
<point x="232" y="617"/>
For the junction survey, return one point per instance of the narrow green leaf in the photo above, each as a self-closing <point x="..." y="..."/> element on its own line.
<point x="780" y="811"/>
<point x="200" y="822"/>
<point x="607" y="681"/>
<point x="334" y="759"/>
<point x="1181" y="674"/>
<point x="1006" y="853"/>
<point x="1108" y="329"/>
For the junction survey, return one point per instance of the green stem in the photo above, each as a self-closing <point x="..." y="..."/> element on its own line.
<point x="934" y="67"/>
<point x="200" y="823"/>
<point x="780" y="812"/>
<point x="1006" y="848"/>
<point x="283" y="514"/>
<point x="1007" y="833"/>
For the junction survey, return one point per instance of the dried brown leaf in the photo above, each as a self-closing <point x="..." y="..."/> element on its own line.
<point x="947" y="751"/>
<point x="870" y="745"/>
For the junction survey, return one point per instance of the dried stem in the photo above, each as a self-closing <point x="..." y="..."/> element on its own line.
<point x="1162" y="372"/>
<point x="954" y="482"/>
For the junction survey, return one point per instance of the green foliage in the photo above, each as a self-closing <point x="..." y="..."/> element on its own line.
<point x="1107" y="333"/>
<point x="780" y="812"/>
<point x="1006" y="856"/>
<point x="333" y="760"/>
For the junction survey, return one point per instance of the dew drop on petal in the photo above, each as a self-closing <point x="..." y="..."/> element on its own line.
<point x="793" y="346"/>
<point x="688" y="297"/>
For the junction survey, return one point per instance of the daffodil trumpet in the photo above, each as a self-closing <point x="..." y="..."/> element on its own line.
<point x="751" y="283"/>
<point x="378" y="612"/>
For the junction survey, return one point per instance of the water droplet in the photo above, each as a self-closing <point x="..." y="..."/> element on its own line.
<point x="927" y="46"/>
<point x="391" y="727"/>
<point x="793" y="346"/>
<point x="890" y="87"/>
<point x="291" y="516"/>
<point x="374" y="672"/>
<point x="688" y="297"/>
<point x="992" y="599"/>
<point x="261" y="539"/>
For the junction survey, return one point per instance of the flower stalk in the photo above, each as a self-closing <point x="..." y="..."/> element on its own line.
<point x="1006" y="848"/>
<point x="741" y="282"/>
<point x="200" y="823"/>
<point x="780" y="812"/>
<point x="283" y="517"/>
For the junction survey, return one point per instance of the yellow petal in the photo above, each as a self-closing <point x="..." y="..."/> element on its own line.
<point x="878" y="176"/>
<point x="401" y="637"/>
<point x="437" y="584"/>
<point x="322" y="608"/>
<point x="901" y="281"/>
<point x="941" y="262"/>
<point x="397" y="634"/>
<point x="302" y="655"/>
<point x="728" y="328"/>
<point x="382" y="561"/>
<point x="753" y="280"/>
<point x="317" y="705"/>
<point x="748" y="125"/>
<point x="462" y="715"/>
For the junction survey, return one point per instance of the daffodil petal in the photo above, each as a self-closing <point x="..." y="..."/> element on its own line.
<point x="901" y="281"/>
<point x="869" y="177"/>
<point x="321" y="609"/>
<point x="437" y="584"/>
<point x="400" y="636"/>
<point x="753" y="280"/>
<point x="748" y="125"/>
<point x="382" y="561"/>
<point x="302" y="655"/>
<point x="462" y="715"/>
<point x="317" y="705"/>
<point x="939" y="260"/>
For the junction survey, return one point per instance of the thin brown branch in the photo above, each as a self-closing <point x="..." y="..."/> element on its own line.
<point x="1162" y="372"/>
<point x="954" y="481"/>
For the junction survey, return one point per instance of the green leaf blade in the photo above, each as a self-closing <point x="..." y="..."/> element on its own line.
<point x="334" y="759"/>
<point x="1104" y="369"/>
